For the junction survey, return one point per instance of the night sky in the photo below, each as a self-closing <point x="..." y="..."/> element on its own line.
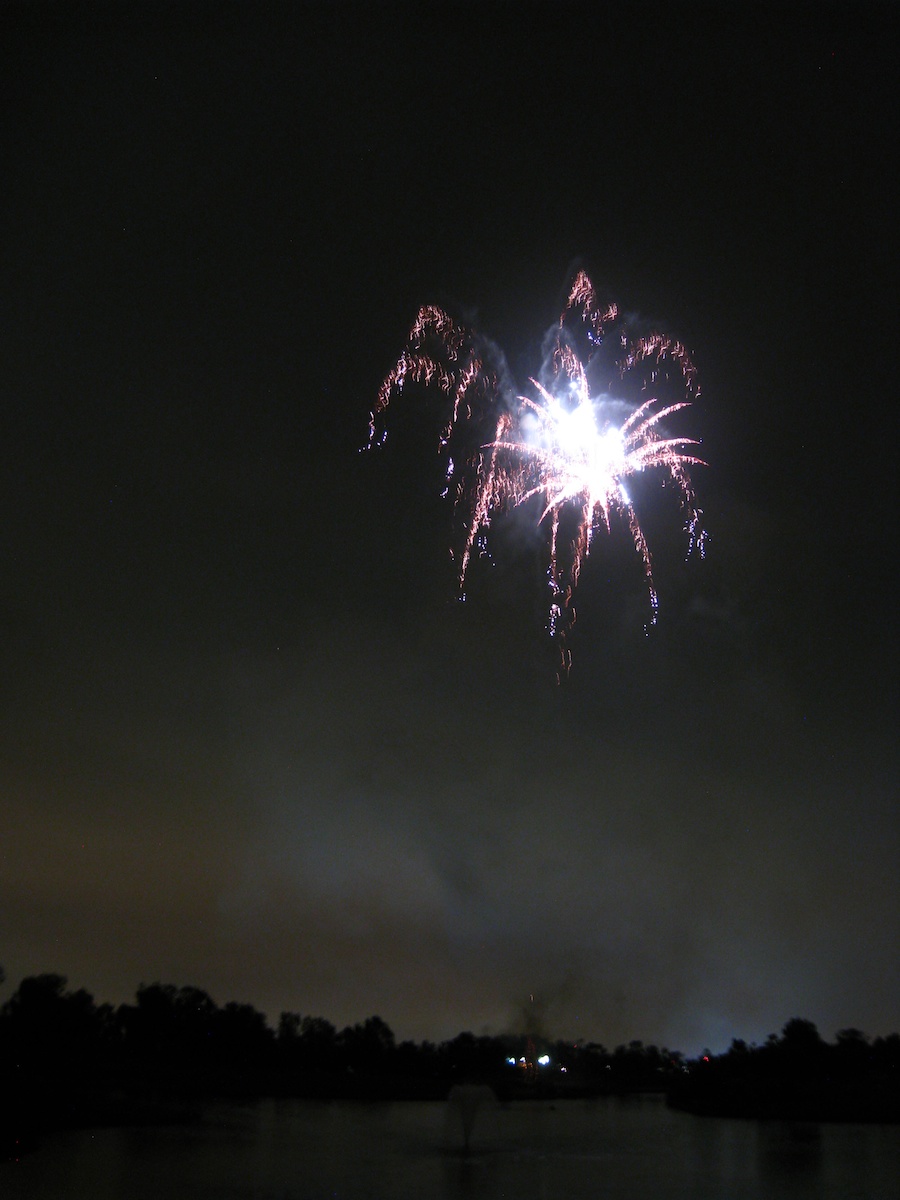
<point x="250" y="739"/>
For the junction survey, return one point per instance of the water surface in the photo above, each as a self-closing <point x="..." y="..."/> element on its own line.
<point x="571" y="1150"/>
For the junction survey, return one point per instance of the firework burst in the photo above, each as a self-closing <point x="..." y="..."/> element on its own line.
<point x="595" y="419"/>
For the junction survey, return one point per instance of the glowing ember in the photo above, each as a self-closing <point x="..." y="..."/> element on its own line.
<point x="572" y="447"/>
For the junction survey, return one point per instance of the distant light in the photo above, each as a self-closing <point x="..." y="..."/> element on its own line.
<point x="511" y="1061"/>
<point x="544" y="1060"/>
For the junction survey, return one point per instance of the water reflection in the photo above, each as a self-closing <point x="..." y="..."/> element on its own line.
<point x="790" y="1157"/>
<point x="571" y="1150"/>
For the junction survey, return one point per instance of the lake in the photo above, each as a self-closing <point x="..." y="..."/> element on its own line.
<point x="610" y="1147"/>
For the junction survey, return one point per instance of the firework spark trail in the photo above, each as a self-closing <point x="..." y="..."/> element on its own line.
<point x="562" y="447"/>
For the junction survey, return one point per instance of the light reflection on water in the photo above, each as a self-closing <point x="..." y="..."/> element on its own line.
<point x="571" y="1150"/>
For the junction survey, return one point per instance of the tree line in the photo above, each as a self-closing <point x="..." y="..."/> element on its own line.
<point x="179" y="1038"/>
<point x="66" y="1060"/>
<point x="796" y="1076"/>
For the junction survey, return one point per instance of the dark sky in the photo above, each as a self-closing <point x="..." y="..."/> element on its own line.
<point x="250" y="741"/>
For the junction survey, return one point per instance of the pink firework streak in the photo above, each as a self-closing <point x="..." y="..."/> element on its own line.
<point x="569" y="451"/>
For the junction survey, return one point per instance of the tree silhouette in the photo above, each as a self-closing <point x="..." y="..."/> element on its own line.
<point x="54" y="1030"/>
